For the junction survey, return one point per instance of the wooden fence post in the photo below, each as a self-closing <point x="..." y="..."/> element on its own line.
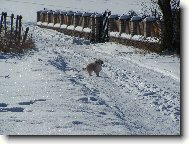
<point x="1" y="21"/>
<point x="12" y="17"/>
<point x="42" y="16"/>
<point x="63" y="15"/>
<point x="16" y="30"/>
<point x="105" y="27"/>
<point x="38" y="15"/>
<point x="148" y="25"/>
<point x="69" y="16"/>
<point x="111" y="22"/>
<point x="92" y="20"/>
<point x="25" y="35"/>
<point x="58" y="17"/>
<point x="135" y="25"/>
<point x="77" y="16"/>
<point x="55" y="17"/>
<point x="5" y="22"/>
<point x="20" y="26"/>
<point x="49" y="16"/>
<point x="98" y="25"/>
<point x="124" y="23"/>
<point x="86" y="17"/>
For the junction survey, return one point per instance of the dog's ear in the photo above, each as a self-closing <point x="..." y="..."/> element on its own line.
<point x="100" y="61"/>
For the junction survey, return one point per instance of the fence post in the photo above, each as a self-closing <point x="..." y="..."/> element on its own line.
<point x="12" y="17"/>
<point x="55" y="17"/>
<point x="63" y="16"/>
<point x="16" y="30"/>
<point x="5" y="23"/>
<point x="148" y="22"/>
<point x="1" y="21"/>
<point x="123" y="23"/>
<point x="105" y="27"/>
<point x="38" y="15"/>
<point x="92" y="20"/>
<point x="98" y="25"/>
<point x="111" y="22"/>
<point x="77" y="16"/>
<point x="20" y="26"/>
<point x="25" y="35"/>
<point x="49" y="16"/>
<point x="85" y="19"/>
<point x="43" y="16"/>
<point x="58" y="17"/>
<point x="135" y="24"/>
<point x="69" y="16"/>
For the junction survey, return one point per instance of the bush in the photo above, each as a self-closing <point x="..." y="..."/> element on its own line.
<point x="10" y="43"/>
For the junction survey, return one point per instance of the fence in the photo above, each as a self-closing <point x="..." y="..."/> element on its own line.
<point x="14" y="31"/>
<point x="99" y="27"/>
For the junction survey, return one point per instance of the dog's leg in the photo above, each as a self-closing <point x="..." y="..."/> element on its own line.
<point x="97" y="74"/>
<point x="90" y="73"/>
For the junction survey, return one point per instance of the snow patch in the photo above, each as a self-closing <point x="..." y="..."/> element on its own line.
<point x="50" y="25"/>
<point x="57" y="25"/>
<point x="39" y="23"/>
<point x="149" y="19"/>
<point x="63" y="26"/>
<point x="124" y="17"/>
<point x="85" y="14"/>
<point x="71" y="27"/>
<point x="87" y="30"/>
<point x="44" y="24"/>
<point x="115" y="34"/>
<point x="113" y="16"/>
<point x="136" y="18"/>
<point x="79" y="28"/>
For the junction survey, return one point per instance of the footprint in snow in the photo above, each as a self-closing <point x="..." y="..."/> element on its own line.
<point x="26" y="103"/>
<point x="7" y="76"/>
<point x="77" y="122"/>
<point x="102" y="113"/>
<point x="13" y="109"/>
<point x="3" y="105"/>
<point x="149" y="93"/>
<point x="30" y="102"/>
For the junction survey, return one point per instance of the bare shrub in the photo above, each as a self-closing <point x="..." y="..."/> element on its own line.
<point x="10" y="43"/>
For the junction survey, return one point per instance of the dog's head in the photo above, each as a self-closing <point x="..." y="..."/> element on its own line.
<point x="99" y="62"/>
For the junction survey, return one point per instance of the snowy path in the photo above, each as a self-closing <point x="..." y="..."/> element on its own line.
<point x="46" y="92"/>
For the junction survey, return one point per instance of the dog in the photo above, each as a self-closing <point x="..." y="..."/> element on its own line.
<point x="96" y="67"/>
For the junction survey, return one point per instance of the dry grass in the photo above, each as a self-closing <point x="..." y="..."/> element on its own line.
<point x="9" y="43"/>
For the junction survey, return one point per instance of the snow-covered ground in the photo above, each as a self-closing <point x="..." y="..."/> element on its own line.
<point x="46" y="91"/>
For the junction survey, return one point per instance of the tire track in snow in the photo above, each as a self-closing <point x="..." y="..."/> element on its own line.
<point x="89" y="83"/>
<point x="165" y="73"/>
<point x="115" y="83"/>
<point x="114" y="105"/>
<point x="134" y="82"/>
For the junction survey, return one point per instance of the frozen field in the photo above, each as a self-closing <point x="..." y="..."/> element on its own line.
<point x="45" y="92"/>
<point x="28" y="9"/>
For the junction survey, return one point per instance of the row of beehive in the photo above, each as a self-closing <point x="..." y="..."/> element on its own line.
<point x="89" y="22"/>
